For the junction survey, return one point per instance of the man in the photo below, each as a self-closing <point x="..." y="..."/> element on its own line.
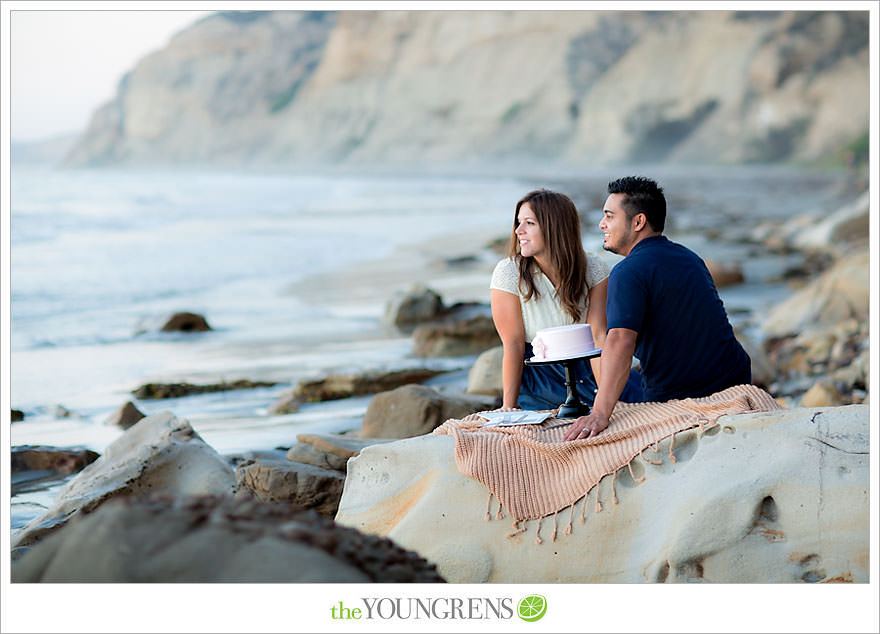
<point x="663" y="307"/>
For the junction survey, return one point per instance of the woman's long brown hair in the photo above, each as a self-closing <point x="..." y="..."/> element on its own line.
<point x="561" y="228"/>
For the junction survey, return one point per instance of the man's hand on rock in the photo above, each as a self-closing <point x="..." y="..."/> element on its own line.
<point x="586" y="426"/>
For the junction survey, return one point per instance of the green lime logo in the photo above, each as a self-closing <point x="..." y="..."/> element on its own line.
<point x="532" y="608"/>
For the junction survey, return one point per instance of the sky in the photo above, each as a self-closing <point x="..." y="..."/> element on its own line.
<point x="64" y="64"/>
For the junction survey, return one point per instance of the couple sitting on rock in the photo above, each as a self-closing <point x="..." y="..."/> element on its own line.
<point x="658" y="304"/>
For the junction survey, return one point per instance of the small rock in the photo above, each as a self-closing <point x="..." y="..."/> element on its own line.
<point x="287" y="403"/>
<point x="16" y="416"/>
<point x="724" y="275"/>
<point x="462" y="338"/>
<point x="420" y="304"/>
<point x="59" y="411"/>
<point x="287" y="481"/>
<point x="342" y="446"/>
<point x="65" y="460"/>
<point x="125" y="416"/>
<point x="337" y="386"/>
<point x="185" y="322"/>
<point x="307" y="453"/>
<point x="414" y="410"/>
<point x="822" y="394"/>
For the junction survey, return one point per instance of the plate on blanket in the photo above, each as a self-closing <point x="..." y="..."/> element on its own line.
<point x="506" y="419"/>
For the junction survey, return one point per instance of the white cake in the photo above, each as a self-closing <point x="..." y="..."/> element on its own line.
<point x="563" y="342"/>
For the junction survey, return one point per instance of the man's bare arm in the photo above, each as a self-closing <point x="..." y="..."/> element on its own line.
<point x="616" y="363"/>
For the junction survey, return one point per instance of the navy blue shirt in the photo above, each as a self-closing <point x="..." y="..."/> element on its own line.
<point x="685" y="343"/>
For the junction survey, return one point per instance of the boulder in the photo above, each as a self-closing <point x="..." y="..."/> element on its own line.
<point x="337" y="386"/>
<point x="770" y="497"/>
<point x="763" y="371"/>
<point x="724" y="274"/>
<point x="125" y="416"/>
<point x="16" y="415"/>
<point x="65" y="460"/>
<point x="413" y="410"/>
<point x="215" y="540"/>
<point x="286" y="481"/>
<point x="485" y="374"/>
<point x="461" y="338"/>
<point x="847" y="224"/>
<point x="838" y="294"/>
<point x="419" y="305"/>
<point x="343" y="446"/>
<point x="161" y="453"/>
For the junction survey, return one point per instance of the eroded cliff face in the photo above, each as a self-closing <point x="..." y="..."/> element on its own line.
<point x="429" y="88"/>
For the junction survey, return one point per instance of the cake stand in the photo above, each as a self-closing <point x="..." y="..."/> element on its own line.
<point x="573" y="406"/>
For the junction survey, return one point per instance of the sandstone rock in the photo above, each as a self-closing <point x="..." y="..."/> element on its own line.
<point x="215" y="540"/>
<point x="462" y="338"/>
<point x="161" y="453"/>
<point x="839" y="294"/>
<point x="724" y="274"/>
<point x="61" y="459"/>
<point x="336" y="386"/>
<point x="125" y="416"/>
<point x="413" y="410"/>
<point x="185" y="322"/>
<point x="297" y="88"/>
<point x="286" y="481"/>
<point x="822" y="394"/>
<point x="16" y="415"/>
<point x="287" y="403"/>
<point x="307" y="453"/>
<point x="758" y="498"/>
<point x="420" y="304"/>
<point x="855" y="375"/>
<point x="485" y="375"/>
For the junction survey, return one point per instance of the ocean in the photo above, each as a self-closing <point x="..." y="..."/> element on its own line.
<point x="98" y="257"/>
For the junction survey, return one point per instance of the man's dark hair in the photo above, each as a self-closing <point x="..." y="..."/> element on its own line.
<point x="641" y="195"/>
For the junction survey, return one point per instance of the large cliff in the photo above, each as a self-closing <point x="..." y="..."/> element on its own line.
<point x="434" y="88"/>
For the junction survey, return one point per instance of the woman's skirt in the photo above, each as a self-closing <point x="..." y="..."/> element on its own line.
<point x="543" y="386"/>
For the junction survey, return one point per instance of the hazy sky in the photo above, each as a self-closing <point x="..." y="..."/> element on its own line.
<point x="64" y="64"/>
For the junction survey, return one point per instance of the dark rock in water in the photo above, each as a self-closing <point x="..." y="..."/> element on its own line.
<point x="125" y="416"/>
<point x="500" y="245"/>
<point x="462" y="338"/>
<point x="160" y="454"/>
<point x="176" y="390"/>
<point x="185" y="322"/>
<point x="207" y="539"/>
<point x="286" y="481"/>
<point x="336" y="386"/>
<point x="287" y="403"/>
<point x="16" y="416"/>
<point x="61" y="459"/>
<point x="724" y="274"/>
<point x="414" y="410"/>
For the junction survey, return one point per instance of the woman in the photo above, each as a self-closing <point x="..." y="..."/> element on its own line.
<point x="547" y="280"/>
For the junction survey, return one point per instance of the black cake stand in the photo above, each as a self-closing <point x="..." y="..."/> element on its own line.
<point x="573" y="406"/>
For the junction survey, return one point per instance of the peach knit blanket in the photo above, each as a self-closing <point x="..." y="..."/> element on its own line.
<point x="534" y="473"/>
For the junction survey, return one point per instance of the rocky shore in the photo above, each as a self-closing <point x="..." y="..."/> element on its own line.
<point x="810" y="351"/>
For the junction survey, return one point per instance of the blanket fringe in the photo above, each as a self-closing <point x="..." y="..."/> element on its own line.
<point x="517" y="528"/>
<point x="555" y="526"/>
<point x="631" y="474"/>
<point x="499" y="515"/>
<point x="671" y="445"/>
<point x="648" y="460"/>
<point x="570" y="520"/>
<point x="614" y="488"/>
<point x="538" y="539"/>
<point x="488" y="507"/>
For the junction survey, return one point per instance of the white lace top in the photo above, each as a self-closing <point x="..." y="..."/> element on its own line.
<point x="545" y="311"/>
